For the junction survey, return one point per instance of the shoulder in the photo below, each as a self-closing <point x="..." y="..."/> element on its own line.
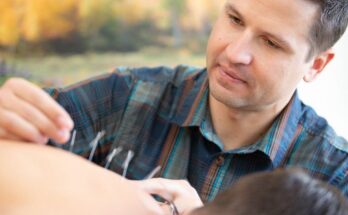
<point x="318" y="149"/>
<point x="319" y="130"/>
<point x="162" y="74"/>
<point x="122" y="79"/>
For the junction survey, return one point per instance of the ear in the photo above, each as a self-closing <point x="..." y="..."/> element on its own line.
<point x="319" y="63"/>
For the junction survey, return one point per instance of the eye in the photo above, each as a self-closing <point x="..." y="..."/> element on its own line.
<point x="271" y="44"/>
<point x="235" y="19"/>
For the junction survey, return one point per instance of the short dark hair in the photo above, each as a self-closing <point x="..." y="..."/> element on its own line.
<point x="329" y="25"/>
<point x="280" y="192"/>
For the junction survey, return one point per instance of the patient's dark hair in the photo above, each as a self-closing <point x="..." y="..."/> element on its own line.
<point x="281" y="192"/>
<point x="329" y="25"/>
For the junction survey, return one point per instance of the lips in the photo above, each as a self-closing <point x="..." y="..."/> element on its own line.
<point x="231" y="75"/>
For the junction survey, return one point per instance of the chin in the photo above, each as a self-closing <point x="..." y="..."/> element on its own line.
<point x="227" y="98"/>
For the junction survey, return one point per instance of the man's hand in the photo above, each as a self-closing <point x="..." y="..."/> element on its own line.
<point x="184" y="196"/>
<point x="30" y="114"/>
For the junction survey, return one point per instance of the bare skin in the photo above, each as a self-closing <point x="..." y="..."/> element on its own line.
<point x="180" y="192"/>
<point x="37" y="179"/>
<point x="28" y="113"/>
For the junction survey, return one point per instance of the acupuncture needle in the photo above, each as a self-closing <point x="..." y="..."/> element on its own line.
<point x="111" y="156"/>
<point x="125" y="165"/>
<point x="94" y="144"/>
<point x="72" y="142"/>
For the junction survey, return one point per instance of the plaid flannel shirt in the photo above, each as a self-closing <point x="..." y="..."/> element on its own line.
<point x="162" y="115"/>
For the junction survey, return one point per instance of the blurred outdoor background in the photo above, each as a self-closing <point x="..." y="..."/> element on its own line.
<point x="56" y="43"/>
<point x="61" y="42"/>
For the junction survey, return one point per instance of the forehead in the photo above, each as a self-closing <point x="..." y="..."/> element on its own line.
<point x="289" y="18"/>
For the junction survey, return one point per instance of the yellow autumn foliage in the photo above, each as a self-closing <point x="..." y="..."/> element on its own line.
<point x="94" y="13"/>
<point x="9" y="19"/>
<point x="33" y="20"/>
<point x="132" y="11"/>
<point x="41" y="20"/>
<point x="48" y="19"/>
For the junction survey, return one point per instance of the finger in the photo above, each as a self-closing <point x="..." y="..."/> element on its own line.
<point x="165" y="208"/>
<point x="8" y="136"/>
<point x="168" y="189"/>
<point x="39" y="98"/>
<point x="38" y="119"/>
<point x="17" y="126"/>
<point x="151" y="187"/>
<point x="151" y="204"/>
<point x="179" y="192"/>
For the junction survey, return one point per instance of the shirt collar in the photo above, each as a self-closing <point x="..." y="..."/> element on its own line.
<point x="275" y="144"/>
<point x="277" y="141"/>
<point x="192" y="105"/>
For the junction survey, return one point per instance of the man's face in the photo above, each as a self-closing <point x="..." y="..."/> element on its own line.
<point x="257" y="52"/>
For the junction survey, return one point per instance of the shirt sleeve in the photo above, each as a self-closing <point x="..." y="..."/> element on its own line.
<point x="340" y="178"/>
<point x="95" y="105"/>
<point x="123" y="104"/>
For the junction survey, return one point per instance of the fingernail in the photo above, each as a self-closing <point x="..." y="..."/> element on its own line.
<point x="64" y="134"/>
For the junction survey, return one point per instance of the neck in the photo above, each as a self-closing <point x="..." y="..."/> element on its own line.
<point x="238" y="127"/>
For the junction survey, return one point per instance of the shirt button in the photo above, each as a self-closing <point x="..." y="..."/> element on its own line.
<point x="220" y="160"/>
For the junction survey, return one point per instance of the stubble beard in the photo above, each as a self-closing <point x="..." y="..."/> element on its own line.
<point x="225" y="98"/>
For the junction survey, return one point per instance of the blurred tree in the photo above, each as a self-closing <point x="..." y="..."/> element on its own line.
<point x="198" y="15"/>
<point x="82" y="25"/>
<point x="94" y="15"/>
<point x="130" y="11"/>
<point x="49" y="19"/>
<point x="9" y="31"/>
<point x="116" y="25"/>
<point x="177" y="9"/>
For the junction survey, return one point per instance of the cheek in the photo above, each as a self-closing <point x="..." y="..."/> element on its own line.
<point x="292" y="73"/>
<point x="280" y="80"/>
<point x="218" y="41"/>
<point x="214" y="46"/>
<point x="269" y="75"/>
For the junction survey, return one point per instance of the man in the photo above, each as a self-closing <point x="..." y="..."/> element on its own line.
<point x="51" y="181"/>
<point x="210" y="126"/>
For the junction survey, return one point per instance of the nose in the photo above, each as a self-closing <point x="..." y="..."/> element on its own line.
<point x="239" y="50"/>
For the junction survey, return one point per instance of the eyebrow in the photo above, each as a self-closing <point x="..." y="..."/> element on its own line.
<point x="280" y="40"/>
<point x="230" y="8"/>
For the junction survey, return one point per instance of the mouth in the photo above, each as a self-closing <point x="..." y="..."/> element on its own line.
<point x="231" y="75"/>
